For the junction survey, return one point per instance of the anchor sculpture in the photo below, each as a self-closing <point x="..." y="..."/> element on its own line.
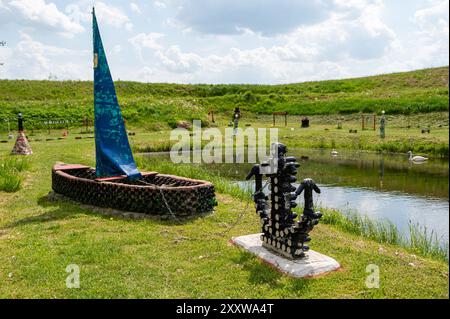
<point x="281" y="230"/>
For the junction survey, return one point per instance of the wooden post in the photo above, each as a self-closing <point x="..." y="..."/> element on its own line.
<point x="274" y="114"/>
<point x="374" y="122"/>
<point x="362" y="122"/>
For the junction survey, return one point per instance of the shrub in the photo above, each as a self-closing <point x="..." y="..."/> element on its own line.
<point x="248" y="97"/>
<point x="10" y="168"/>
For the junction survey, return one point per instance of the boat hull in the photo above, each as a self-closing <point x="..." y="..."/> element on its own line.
<point x="154" y="194"/>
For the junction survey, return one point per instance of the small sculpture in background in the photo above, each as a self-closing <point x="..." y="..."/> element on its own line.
<point x="305" y="121"/>
<point x="281" y="230"/>
<point x="20" y="122"/>
<point x="211" y="116"/>
<point x="21" y="147"/>
<point x="339" y="123"/>
<point x="236" y="116"/>
<point x="382" y="125"/>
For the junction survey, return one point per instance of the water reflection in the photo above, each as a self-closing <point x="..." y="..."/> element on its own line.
<point x="387" y="186"/>
<point x="381" y="172"/>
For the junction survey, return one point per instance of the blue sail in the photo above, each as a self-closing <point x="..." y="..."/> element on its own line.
<point x="113" y="152"/>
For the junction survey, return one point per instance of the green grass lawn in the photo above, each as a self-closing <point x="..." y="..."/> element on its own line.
<point x="39" y="238"/>
<point x="323" y="133"/>
<point x="156" y="106"/>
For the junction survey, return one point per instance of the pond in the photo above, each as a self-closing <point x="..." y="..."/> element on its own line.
<point x="377" y="185"/>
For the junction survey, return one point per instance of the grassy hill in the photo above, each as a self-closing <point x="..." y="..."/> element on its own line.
<point x="155" y="104"/>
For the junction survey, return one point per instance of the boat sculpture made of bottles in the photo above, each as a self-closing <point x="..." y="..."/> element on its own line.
<point x="116" y="182"/>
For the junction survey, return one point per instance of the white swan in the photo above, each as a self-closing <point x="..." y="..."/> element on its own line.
<point x="334" y="153"/>
<point x="416" y="158"/>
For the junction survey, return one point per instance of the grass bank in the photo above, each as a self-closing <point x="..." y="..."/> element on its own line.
<point x="403" y="134"/>
<point x="420" y="242"/>
<point x="121" y="258"/>
<point x="157" y="106"/>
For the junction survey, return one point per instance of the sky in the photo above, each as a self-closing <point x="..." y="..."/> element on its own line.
<point x="223" y="41"/>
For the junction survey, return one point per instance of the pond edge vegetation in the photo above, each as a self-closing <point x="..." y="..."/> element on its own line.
<point x="437" y="149"/>
<point x="11" y="168"/>
<point x="420" y="242"/>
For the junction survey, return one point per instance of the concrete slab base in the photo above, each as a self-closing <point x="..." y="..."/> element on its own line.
<point x="312" y="264"/>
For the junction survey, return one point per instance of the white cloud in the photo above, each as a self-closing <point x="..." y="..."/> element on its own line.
<point x="433" y="20"/>
<point x="262" y="16"/>
<point x="32" y="59"/>
<point x="353" y="34"/>
<point x="39" y="15"/>
<point x="106" y="14"/>
<point x="117" y="48"/>
<point x="353" y="41"/>
<point x="160" y="4"/>
<point x="430" y="43"/>
<point x="426" y="46"/>
<point x="363" y="36"/>
<point x="145" y="74"/>
<point x="149" y="41"/>
<point x="176" y="61"/>
<point x="329" y="43"/>
<point x="112" y="16"/>
<point x="258" y="65"/>
<point x="232" y="41"/>
<point x="437" y="11"/>
<point x="135" y="8"/>
<point x="77" y="15"/>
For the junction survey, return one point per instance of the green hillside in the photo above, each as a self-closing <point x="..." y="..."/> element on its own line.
<point x="419" y="91"/>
